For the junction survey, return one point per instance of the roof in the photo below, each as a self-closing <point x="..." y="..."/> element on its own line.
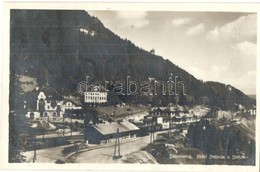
<point x="176" y="108"/>
<point x="111" y="128"/>
<point x="96" y="88"/>
<point x="43" y="125"/>
<point x="158" y="108"/>
<point x="209" y="115"/>
<point x="75" y="101"/>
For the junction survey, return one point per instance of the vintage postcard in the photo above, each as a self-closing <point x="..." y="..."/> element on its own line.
<point x="130" y="86"/>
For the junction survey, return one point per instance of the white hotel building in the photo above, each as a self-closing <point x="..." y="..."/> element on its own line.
<point x="95" y="96"/>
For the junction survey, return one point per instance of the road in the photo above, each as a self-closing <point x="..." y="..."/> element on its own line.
<point x="48" y="155"/>
<point x="105" y="154"/>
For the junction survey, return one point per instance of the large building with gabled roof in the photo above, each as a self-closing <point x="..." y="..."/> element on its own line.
<point x="106" y="132"/>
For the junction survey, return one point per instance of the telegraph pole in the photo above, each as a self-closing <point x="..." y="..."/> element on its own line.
<point x="34" y="152"/>
<point x="117" y="147"/>
<point x="151" y="137"/>
<point x="63" y="130"/>
<point x="152" y="134"/>
<point x="70" y="126"/>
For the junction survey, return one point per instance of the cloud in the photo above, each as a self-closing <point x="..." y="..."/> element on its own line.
<point x="213" y="34"/>
<point x="195" y="29"/>
<point x="133" y="19"/>
<point x="181" y="21"/>
<point x="241" y="28"/>
<point x="245" y="48"/>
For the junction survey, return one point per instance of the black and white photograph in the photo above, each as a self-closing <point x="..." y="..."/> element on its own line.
<point x="131" y="86"/>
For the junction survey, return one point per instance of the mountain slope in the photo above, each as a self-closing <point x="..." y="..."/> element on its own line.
<point x="60" y="48"/>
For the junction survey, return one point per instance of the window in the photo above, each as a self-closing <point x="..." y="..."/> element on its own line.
<point x="58" y="108"/>
<point x="31" y="115"/>
<point x="45" y="114"/>
<point x="41" y="105"/>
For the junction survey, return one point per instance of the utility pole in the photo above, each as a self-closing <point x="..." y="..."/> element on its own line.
<point x="151" y="136"/>
<point x="152" y="133"/>
<point x="114" y="113"/>
<point x="70" y="126"/>
<point x="34" y="152"/>
<point x="117" y="146"/>
<point x="63" y="131"/>
<point x="169" y="130"/>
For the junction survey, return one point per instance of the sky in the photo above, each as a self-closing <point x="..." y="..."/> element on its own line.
<point x="212" y="46"/>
